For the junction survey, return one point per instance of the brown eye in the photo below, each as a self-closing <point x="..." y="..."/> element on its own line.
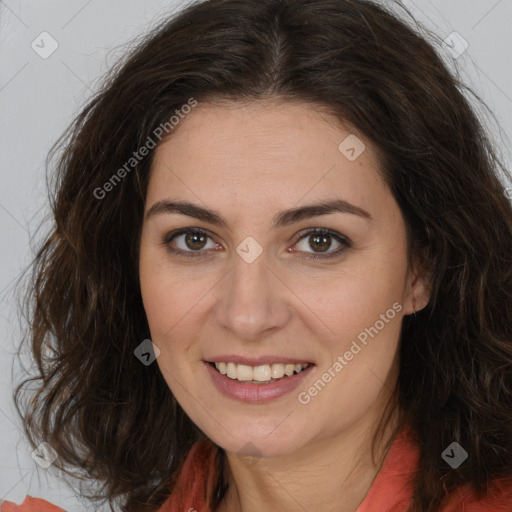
<point x="195" y="241"/>
<point x="189" y="242"/>
<point x="317" y="242"/>
<point x="320" y="242"/>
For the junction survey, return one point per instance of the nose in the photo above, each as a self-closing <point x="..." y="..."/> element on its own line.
<point x="252" y="300"/>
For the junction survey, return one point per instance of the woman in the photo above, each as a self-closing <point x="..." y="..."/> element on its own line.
<point x="279" y="276"/>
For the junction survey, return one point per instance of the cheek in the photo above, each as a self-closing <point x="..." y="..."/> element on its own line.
<point x="360" y="349"/>
<point x="164" y="307"/>
<point x="169" y="295"/>
<point x="353" y="299"/>
<point x="158" y="302"/>
<point x="358" y="325"/>
<point x="363" y="330"/>
<point x="169" y="307"/>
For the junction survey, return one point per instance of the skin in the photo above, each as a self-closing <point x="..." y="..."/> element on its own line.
<point x="249" y="161"/>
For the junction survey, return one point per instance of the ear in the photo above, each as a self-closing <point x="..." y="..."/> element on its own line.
<point x="418" y="288"/>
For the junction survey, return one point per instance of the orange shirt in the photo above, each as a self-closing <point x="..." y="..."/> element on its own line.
<point x="391" y="490"/>
<point x="30" y="505"/>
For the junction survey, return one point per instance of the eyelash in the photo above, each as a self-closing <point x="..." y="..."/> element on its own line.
<point x="343" y="240"/>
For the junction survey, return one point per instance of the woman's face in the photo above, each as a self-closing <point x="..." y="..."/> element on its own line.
<point x="247" y="291"/>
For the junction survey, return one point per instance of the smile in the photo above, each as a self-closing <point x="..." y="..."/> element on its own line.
<point x="259" y="383"/>
<point x="264" y="374"/>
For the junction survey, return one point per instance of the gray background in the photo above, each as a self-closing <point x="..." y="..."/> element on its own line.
<point x="39" y="97"/>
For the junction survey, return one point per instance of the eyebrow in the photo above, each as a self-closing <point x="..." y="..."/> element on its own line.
<point x="284" y="218"/>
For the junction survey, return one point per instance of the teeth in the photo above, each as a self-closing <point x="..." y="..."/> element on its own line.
<point x="244" y="372"/>
<point x="277" y="371"/>
<point x="289" y="369"/>
<point x="231" y="373"/>
<point x="262" y="373"/>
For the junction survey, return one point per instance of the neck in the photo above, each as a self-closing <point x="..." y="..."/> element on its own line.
<point x="336" y="472"/>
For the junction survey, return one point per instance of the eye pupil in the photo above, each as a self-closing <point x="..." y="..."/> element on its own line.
<point x="195" y="240"/>
<point x="323" y="242"/>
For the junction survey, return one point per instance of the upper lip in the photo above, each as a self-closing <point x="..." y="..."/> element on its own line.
<point x="256" y="361"/>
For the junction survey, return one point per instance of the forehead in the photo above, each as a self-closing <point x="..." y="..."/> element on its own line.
<point x="254" y="152"/>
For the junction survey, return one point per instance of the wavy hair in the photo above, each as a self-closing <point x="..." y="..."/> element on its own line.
<point x="107" y="415"/>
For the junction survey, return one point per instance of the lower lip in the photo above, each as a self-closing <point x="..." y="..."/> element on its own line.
<point x="255" y="393"/>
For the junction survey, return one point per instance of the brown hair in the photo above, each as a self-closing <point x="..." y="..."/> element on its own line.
<point x="106" y="414"/>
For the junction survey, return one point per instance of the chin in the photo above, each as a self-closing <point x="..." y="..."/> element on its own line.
<point x="264" y="438"/>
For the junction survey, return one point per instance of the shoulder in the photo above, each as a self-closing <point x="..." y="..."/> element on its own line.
<point x="30" y="504"/>
<point x="393" y="488"/>
<point x="189" y="494"/>
<point x="498" y="498"/>
<point x="195" y="480"/>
